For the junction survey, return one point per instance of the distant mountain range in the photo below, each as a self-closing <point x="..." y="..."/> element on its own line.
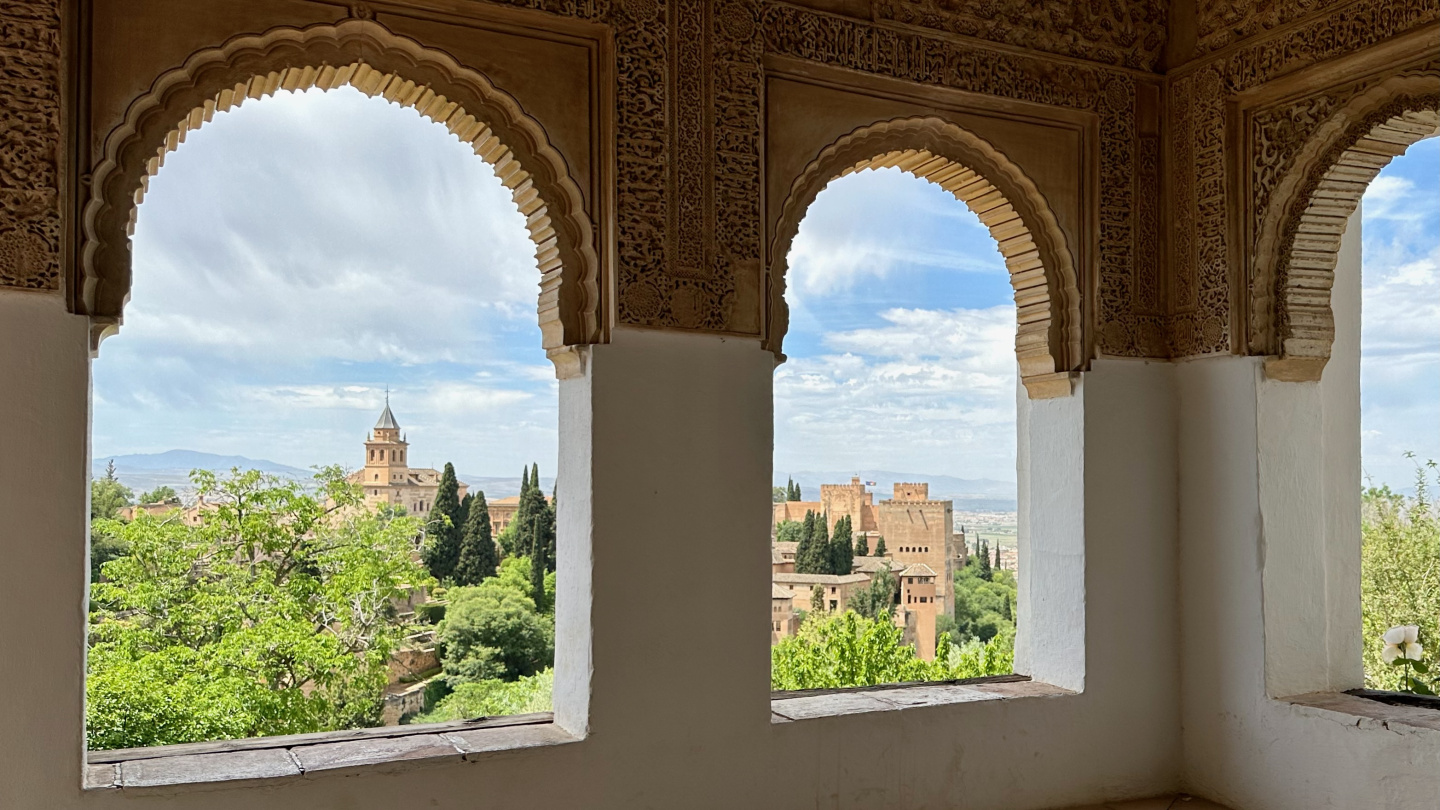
<point x="973" y="494"/>
<point x="146" y="471"/>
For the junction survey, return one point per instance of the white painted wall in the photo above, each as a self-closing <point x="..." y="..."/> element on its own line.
<point x="675" y="702"/>
<point x="1269" y="561"/>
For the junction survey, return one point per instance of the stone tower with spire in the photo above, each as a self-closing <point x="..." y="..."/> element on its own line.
<point x="387" y="476"/>
<point x="385" y="451"/>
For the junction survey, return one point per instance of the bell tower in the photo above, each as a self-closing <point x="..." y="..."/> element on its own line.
<point x="385" y="453"/>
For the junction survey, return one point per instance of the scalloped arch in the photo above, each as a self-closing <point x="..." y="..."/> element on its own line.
<point x="1049" y="342"/>
<point x="1298" y="244"/>
<point x="364" y="55"/>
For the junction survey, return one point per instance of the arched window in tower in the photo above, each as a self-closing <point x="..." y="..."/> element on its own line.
<point x="895" y="441"/>
<point x="1399" y="368"/>
<point x="313" y="270"/>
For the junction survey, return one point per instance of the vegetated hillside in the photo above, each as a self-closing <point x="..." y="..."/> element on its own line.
<point x="146" y="471"/>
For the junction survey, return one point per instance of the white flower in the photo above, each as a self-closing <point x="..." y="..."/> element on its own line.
<point x="1402" y="641"/>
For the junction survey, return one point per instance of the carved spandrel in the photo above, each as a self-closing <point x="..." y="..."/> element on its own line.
<point x="30" y="224"/>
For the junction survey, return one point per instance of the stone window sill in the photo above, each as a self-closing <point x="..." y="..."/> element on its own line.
<point x="301" y="754"/>
<point x="786" y="707"/>
<point x="1366" y="713"/>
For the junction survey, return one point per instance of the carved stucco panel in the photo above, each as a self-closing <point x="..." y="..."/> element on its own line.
<point x="918" y="57"/>
<point x="1202" y="295"/>
<point x="30" y="145"/>
<point x="1114" y="32"/>
<point x="1222" y="22"/>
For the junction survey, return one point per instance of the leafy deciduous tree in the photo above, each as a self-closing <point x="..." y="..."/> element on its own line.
<point x="274" y="615"/>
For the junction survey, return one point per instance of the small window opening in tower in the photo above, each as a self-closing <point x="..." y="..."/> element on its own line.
<point x="321" y="280"/>
<point x="1399" y="368"/>
<point x="895" y="441"/>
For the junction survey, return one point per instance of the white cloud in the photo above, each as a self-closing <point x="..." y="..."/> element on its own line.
<point x="296" y="255"/>
<point x="328" y="225"/>
<point x="931" y="391"/>
<point x="878" y="225"/>
<point x="1400" y="329"/>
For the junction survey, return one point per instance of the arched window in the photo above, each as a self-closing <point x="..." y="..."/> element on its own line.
<point x="1399" y="343"/>
<point x="901" y="365"/>
<point x="294" y="257"/>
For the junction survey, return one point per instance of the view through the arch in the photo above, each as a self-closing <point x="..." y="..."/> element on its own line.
<point x="1400" y="422"/>
<point x="894" y="534"/>
<point x="324" y="440"/>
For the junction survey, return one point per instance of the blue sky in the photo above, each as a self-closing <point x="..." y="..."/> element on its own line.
<point x="902" y="334"/>
<point x="1400" y="317"/>
<point x="297" y="255"/>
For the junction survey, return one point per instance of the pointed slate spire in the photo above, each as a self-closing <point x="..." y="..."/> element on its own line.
<point x="387" y="419"/>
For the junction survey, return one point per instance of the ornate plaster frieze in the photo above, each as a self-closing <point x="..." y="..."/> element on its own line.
<point x="1206" y="287"/>
<point x="1123" y="328"/>
<point x="363" y="55"/>
<point x="1314" y="159"/>
<point x="1114" y="32"/>
<point x="1049" y="341"/>
<point x="1223" y="22"/>
<point x="30" y="145"/>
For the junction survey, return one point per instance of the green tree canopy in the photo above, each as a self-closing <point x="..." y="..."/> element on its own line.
<point x="877" y="601"/>
<point x="442" y="544"/>
<point x="984" y="606"/>
<point x="160" y="494"/>
<point x="788" y="531"/>
<point x="1399" y="573"/>
<point x="274" y="615"/>
<point x="778" y="495"/>
<point x="880" y="547"/>
<point x="845" y="650"/>
<point x="494" y="631"/>
<point x="478" y="554"/>
<point x="494" y="698"/>
<point x="108" y="496"/>
<point x="862" y="547"/>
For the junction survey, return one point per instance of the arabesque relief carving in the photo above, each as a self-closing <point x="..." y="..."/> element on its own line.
<point x="1204" y="291"/>
<point x="1222" y="22"/>
<point x="1049" y="342"/>
<point x="363" y="55"/>
<point x="688" y="132"/>
<point x="30" y="145"/>
<point x="1113" y="32"/>
<point x="1313" y="160"/>
<point x="915" y="56"/>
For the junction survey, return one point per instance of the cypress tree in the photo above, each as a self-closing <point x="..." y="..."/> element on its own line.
<point x="443" y="551"/>
<point x="478" y="555"/>
<point x="841" y="551"/>
<point x="880" y="547"/>
<point x="998" y="565"/>
<point x="984" y="558"/>
<point x="820" y="547"/>
<point x="862" y="547"/>
<point x="805" y="549"/>
<point x="537" y="570"/>
<point x="462" y="516"/>
<point x="817" y="599"/>
<point x="528" y="512"/>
